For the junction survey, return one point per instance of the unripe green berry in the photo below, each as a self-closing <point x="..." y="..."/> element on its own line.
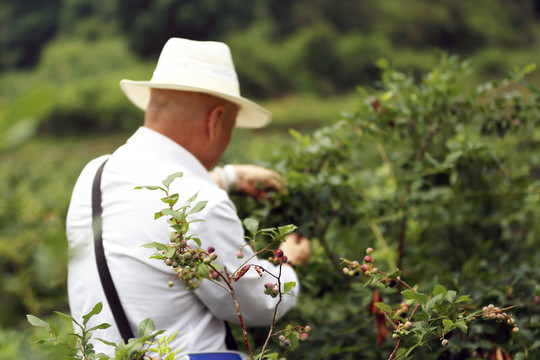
<point x="444" y="342"/>
<point x="171" y="284"/>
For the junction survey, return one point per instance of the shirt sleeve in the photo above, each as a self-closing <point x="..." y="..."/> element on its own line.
<point x="223" y="230"/>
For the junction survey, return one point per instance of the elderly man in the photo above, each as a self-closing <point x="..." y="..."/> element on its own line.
<point x="192" y="103"/>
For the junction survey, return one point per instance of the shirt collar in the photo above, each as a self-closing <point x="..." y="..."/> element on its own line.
<point x="169" y="149"/>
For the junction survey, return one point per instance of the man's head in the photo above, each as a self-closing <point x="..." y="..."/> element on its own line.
<point x="201" y="123"/>
<point x="202" y="67"/>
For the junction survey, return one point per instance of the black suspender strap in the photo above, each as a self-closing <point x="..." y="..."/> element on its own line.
<point x="103" y="269"/>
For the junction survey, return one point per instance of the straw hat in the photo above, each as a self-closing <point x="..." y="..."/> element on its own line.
<point x="200" y="66"/>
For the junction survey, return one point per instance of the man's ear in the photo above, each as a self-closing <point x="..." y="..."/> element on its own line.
<point x="212" y="120"/>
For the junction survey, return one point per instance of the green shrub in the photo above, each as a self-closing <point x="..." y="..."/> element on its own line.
<point x="442" y="180"/>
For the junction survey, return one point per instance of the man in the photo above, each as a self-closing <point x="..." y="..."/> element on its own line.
<point x="192" y="103"/>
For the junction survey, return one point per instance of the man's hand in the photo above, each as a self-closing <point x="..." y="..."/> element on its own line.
<point x="251" y="180"/>
<point x="297" y="249"/>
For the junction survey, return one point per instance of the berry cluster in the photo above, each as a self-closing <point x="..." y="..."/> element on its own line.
<point x="492" y="312"/>
<point x="290" y="336"/>
<point x="271" y="289"/>
<point x="278" y="258"/>
<point x="191" y="265"/>
<point x="402" y="327"/>
<point x="367" y="267"/>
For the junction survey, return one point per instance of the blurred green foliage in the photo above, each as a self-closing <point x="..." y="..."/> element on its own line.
<point x="443" y="181"/>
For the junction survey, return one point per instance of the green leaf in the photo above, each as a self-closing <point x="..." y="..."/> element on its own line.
<point x="158" y="215"/>
<point x="177" y="215"/>
<point x="251" y="225"/>
<point x="191" y="199"/>
<point x="203" y="270"/>
<point x="450" y="296"/>
<point x="146" y="327"/>
<point x="197" y="241"/>
<point x="411" y="295"/>
<point x="431" y="302"/>
<point x="462" y="326"/>
<point x="170" y="253"/>
<point x="171" y="178"/>
<point x="35" y="321"/>
<point x="199" y="207"/>
<point x="463" y="298"/>
<point x="439" y="289"/>
<point x="65" y="316"/>
<point x="100" y="327"/>
<point x="448" y="325"/>
<point x="156" y="245"/>
<point x="107" y="342"/>
<point x="288" y="286"/>
<point x="170" y="200"/>
<point x="403" y="353"/>
<point x="286" y="229"/>
<point x="383" y="307"/>
<point x="96" y="310"/>
<point x="149" y="187"/>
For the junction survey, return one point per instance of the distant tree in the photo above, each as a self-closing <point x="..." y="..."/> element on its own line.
<point x="149" y="24"/>
<point x="25" y="28"/>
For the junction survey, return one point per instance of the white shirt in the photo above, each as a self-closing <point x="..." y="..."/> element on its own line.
<point x="142" y="283"/>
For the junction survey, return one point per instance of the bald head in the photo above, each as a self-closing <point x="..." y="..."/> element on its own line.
<point x="194" y="120"/>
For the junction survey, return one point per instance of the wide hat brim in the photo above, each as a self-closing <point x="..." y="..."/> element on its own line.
<point x="250" y="115"/>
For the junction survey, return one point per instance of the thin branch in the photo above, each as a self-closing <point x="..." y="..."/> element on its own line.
<point x="395" y="350"/>
<point x="274" y="319"/>
<point x="239" y="314"/>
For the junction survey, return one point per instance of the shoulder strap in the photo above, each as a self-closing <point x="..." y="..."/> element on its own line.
<point x="103" y="269"/>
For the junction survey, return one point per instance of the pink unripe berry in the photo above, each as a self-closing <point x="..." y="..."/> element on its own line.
<point x="346" y="271"/>
<point x="284" y="258"/>
<point x="515" y="330"/>
<point x="364" y="268"/>
<point x="368" y="258"/>
<point x="303" y="336"/>
<point x="369" y="251"/>
<point x="281" y="337"/>
<point x="307" y="328"/>
<point x="407" y="325"/>
<point x="211" y="249"/>
<point x="287" y="342"/>
<point x="240" y="254"/>
<point x="444" y="342"/>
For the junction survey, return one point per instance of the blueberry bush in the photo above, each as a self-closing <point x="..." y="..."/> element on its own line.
<point x="442" y="180"/>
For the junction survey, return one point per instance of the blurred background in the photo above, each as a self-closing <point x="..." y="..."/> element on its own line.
<point x="61" y="105"/>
